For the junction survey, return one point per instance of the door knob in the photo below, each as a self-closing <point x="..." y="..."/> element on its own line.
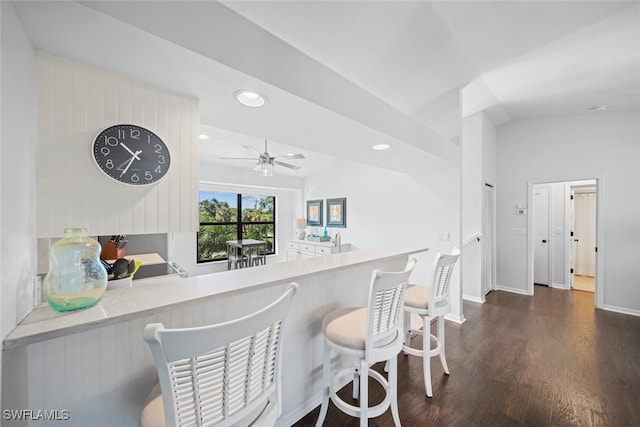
<point x="544" y="241"/>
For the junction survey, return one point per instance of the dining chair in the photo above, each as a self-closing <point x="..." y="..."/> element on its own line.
<point x="260" y="256"/>
<point x="369" y="334"/>
<point x="218" y="375"/>
<point x="236" y="257"/>
<point x="431" y="303"/>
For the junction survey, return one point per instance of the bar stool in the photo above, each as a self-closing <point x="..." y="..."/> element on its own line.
<point x="226" y="374"/>
<point x="236" y="257"/>
<point x="260" y="257"/>
<point x="430" y="303"/>
<point x="371" y="334"/>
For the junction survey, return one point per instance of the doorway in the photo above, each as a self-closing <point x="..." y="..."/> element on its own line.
<point x="488" y="239"/>
<point x="564" y="228"/>
<point x="541" y="221"/>
<point x="583" y="239"/>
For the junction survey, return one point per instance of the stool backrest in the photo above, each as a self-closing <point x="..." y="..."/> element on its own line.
<point x="442" y="270"/>
<point x="221" y="374"/>
<point x="386" y="301"/>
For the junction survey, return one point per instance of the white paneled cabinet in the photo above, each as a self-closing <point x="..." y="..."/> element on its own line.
<point x="298" y="249"/>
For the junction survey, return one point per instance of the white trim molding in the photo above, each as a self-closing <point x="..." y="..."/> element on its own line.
<point x="514" y="290"/>
<point x="473" y="299"/>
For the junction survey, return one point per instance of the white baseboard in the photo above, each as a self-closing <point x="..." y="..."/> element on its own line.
<point x="621" y="310"/>
<point x="473" y="299"/>
<point x="297" y="414"/>
<point x="457" y="319"/>
<point x="559" y="286"/>
<point x="514" y="290"/>
<point x="309" y="405"/>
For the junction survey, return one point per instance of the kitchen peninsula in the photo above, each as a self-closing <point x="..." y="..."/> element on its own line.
<point x="95" y="363"/>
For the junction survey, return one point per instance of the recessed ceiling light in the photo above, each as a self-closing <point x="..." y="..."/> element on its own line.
<point x="380" y="147"/>
<point x="600" y="107"/>
<point x="250" y="98"/>
<point x="203" y="137"/>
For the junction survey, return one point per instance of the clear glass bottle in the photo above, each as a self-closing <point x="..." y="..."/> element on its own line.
<point x="76" y="277"/>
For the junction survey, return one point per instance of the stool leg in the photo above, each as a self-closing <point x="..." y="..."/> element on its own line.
<point x="326" y="378"/>
<point x="355" y="386"/>
<point x="364" y="393"/>
<point x="426" y="354"/>
<point x="393" y="389"/>
<point x="407" y="329"/>
<point x="443" y="359"/>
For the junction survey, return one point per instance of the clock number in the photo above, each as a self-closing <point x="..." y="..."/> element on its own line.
<point x="105" y="151"/>
<point x="111" y="140"/>
<point x="148" y="176"/>
<point x="161" y="159"/>
<point x="158" y="169"/>
<point x="158" y="148"/>
<point x="109" y="164"/>
<point x="135" y="177"/>
<point x="148" y="139"/>
<point x="120" y="133"/>
<point x="135" y="134"/>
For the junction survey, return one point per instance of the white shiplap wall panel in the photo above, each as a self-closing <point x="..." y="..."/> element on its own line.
<point x="76" y="102"/>
<point x="111" y="369"/>
<point x="74" y="369"/>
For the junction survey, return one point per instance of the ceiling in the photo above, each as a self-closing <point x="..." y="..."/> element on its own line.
<point x="342" y="76"/>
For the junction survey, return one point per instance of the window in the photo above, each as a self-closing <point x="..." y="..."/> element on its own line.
<point x="233" y="216"/>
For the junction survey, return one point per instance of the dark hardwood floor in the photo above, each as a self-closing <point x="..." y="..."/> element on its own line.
<point x="547" y="360"/>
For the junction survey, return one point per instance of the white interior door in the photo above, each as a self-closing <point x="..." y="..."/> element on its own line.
<point x="572" y="246"/>
<point x="585" y="233"/>
<point x="488" y="249"/>
<point x="541" y="235"/>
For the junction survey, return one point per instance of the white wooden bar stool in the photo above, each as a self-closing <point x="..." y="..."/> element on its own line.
<point x="371" y="334"/>
<point x="430" y="302"/>
<point x="226" y="374"/>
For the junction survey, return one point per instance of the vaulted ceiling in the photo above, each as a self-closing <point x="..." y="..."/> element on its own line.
<point x="342" y="76"/>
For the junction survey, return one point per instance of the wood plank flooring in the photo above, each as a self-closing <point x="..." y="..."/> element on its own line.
<point x="546" y="360"/>
<point x="584" y="283"/>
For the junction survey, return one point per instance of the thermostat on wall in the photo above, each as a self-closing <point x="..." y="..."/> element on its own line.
<point x="521" y="209"/>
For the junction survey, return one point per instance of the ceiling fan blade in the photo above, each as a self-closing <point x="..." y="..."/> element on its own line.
<point x="292" y="156"/>
<point x="286" y="165"/>
<point x="238" y="158"/>
<point x="252" y="149"/>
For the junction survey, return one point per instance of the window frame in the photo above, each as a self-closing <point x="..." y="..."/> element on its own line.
<point x="238" y="223"/>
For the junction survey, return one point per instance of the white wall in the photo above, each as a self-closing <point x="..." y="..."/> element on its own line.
<point x="17" y="178"/>
<point x="478" y="168"/>
<point x="386" y="208"/>
<point x="565" y="149"/>
<point x="557" y="235"/>
<point x="289" y="205"/>
<point x="77" y="101"/>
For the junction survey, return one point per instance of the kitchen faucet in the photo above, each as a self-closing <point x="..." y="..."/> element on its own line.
<point x="336" y="241"/>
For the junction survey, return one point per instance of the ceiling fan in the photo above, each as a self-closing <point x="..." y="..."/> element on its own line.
<point x="265" y="161"/>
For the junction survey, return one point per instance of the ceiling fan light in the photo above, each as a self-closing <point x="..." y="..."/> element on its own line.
<point x="264" y="169"/>
<point x="250" y="98"/>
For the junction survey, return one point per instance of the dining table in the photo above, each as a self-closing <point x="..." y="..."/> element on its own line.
<point x="250" y="245"/>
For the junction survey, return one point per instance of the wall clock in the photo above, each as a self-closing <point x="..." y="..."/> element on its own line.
<point x="131" y="154"/>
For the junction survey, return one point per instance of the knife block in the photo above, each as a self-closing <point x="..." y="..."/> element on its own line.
<point x="111" y="252"/>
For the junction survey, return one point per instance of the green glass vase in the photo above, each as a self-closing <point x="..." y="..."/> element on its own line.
<point x="76" y="277"/>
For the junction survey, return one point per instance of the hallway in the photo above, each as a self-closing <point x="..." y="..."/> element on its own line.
<point x="550" y="359"/>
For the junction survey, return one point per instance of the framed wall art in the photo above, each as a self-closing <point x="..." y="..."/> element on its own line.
<point x="314" y="213"/>
<point x="337" y="213"/>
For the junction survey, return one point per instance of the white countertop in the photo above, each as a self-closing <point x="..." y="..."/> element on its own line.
<point x="160" y="294"/>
